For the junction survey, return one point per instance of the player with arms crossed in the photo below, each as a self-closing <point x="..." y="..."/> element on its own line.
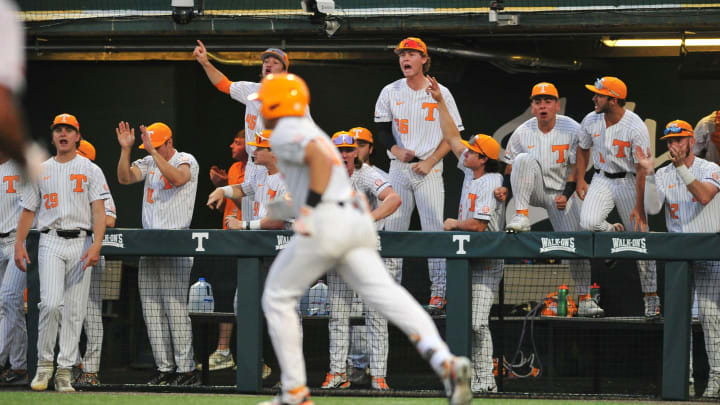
<point x="170" y="182"/>
<point x="479" y="211"/>
<point x="333" y="230"/>
<point x="688" y="187"/>
<point x="69" y="203"/>
<point x="613" y="133"/>
<point x="541" y="165"/>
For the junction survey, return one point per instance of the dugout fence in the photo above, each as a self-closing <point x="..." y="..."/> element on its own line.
<point x="619" y="354"/>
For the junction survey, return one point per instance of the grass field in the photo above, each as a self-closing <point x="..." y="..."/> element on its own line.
<point x="87" y="398"/>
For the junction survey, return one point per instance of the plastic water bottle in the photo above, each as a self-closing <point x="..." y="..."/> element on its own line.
<point x="317" y="300"/>
<point x="562" y="307"/>
<point x="201" y="297"/>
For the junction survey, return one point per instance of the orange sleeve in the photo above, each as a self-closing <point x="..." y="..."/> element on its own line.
<point x="224" y="85"/>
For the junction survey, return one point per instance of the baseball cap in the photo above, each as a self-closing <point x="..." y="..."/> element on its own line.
<point x="677" y="128"/>
<point x="484" y="145"/>
<point x="609" y="86"/>
<point x="66" y="119"/>
<point x="362" y="134"/>
<point x="544" y="89"/>
<point x="343" y="139"/>
<point x="411" y="43"/>
<point x="159" y="134"/>
<point x="278" y="54"/>
<point x="86" y="149"/>
<point x="262" y="140"/>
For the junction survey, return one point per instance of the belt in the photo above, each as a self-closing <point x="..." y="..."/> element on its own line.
<point x="69" y="233"/>
<point x="618" y="175"/>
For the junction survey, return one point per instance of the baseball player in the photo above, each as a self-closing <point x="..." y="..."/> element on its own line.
<point x="613" y="133"/>
<point x="93" y="319"/>
<point x="324" y="203"/>
<point x="13" y="330"/>
<point x="688" y="188"/>
<point x="384" y="202"/>
<point x="12" y="79"/>
<point x="408" y="124"/>
<point x="479" y="211"/>
<point x="69" y="203"/>
<point x="170" y="182"/>
<point x="541" y="165"/>
<point x="707" y="137"/>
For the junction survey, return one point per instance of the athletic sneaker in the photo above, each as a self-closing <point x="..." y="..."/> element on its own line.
<point x="359" y="376"/>
<point x="62" y="380"/>
<point x="220" y="361"/>
<point x="42" y="376"/>
<point x="298" y="396"/>
<point x="652" y="307"/>
<point x="436" y="305"/>
<point x="378" y="383"/>
<point x="87" y="379"/>
<point x="713" y="387"/>
<point x="483" y="385"/>
<point x="589" y="308"/>
<point x="519" y="223"/>
<point x="457" y="380"/>
<point x="162" y="378"/>
<point x="191" y="378"/>
<point x="12" y="377"/>
<point x="76" y="372"/>
<point x="338" y="381"/>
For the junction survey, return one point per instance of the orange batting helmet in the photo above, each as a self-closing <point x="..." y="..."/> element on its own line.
<point x="282" y="95"/>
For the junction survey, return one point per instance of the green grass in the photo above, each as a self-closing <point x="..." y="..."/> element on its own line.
<point x="82" y="398"/>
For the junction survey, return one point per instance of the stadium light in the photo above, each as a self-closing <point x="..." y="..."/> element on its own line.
<point x="183" y="10"/>
<point x="656" y="42"/>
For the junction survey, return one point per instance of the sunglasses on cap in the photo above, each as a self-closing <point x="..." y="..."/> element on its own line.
<point x="343" y="140"/>
<point x="674" y="130"/>
<point x="599" y="84"/>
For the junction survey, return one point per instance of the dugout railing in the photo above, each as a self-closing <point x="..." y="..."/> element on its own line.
<point x="250" y="246"/>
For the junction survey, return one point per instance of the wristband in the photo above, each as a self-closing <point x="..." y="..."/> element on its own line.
<point x="254" y="225"/>
<point x="313" y="199"/>
<point x="569" y="189"/>
<point x="228" y="191"/>
<point x="685" y="174"/>
<point x="224" y="85"/>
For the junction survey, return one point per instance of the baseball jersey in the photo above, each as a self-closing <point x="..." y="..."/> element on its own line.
<point x="416" y="122"/>
<point x="288" y="142"/>
<point x="110" y="209"/>
<point x="62" y="197"/>
<point x="11" y="190"/>
<point x="236" y="175"/>
<point x="683" y="213"/>
<point x="370" y="182"/>
<point x="164" y="205"/>
<point x="555" y="150"/>
<point x="613" y="148"/>
<point x="12" y="42"/>
<point x="262" y="190"/>
<point x="477" y="200"/>
<point x="704" y="128"/>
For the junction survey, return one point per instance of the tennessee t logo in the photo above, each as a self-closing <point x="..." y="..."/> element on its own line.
<point x="431" y="111"/>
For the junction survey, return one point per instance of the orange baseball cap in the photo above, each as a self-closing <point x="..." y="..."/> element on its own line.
<point x="278" y="54"/>
<point x="484" y="145"/>
<point x="262" y="140"/>
<point x="343" y="139"/>
<point x="86" y="149"/>
<point x="677" y="128"/>
<point x="159" y="134"/>
<point x="609" y="86"/>
<point x="362" y="134"/>
<point x="544" y="89"/>
<point x="66" y="119"/>
<point x="411" y="43"/>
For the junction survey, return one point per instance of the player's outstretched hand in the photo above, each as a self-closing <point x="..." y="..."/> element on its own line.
<point x="125" y="135"/>
<point x="560" y="202"/>
<point x="216" y="199"/>
<point x="501" y="194"/>
<point x="433" y="89"/>
<point x="147" y="143"/>
<point x="21" y="257"/>
<point x="450" y="224"/>
<point x="200" y="53"/>
<point x="645" y="161"/>
<point x="638" y="220"/>
<point x="91" y="256"/>
<point x="581" y="189"/>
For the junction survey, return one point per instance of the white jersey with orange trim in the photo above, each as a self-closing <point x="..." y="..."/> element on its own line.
<point x="477" y="200"/>
<point x="613" y="148"/>
<point x="370" y="182"/>
<point x="62" y="198"/>
<point x="683" y="213"/>
<point x="11" y="190"/>
<point x="555" y="150"/>
<point x="164" y="205"/>
<point x="264" y="189"/>
<point x="704" y="128"/>
<point x="415" y="116"/>
<point x="288" y="142"/>
<point x="12" y="38"/>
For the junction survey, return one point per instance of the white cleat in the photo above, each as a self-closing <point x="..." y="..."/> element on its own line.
<point x="588" y="308"/>
<point x="62" y="380"/>
<point x="483" y="385"/>
<point x="298" y="396"/>
<point x="42" y="376"/>
<point x="458" y="373"/>
<point x="519" y="223"/>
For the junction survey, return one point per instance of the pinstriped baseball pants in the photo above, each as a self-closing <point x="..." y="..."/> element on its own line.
<point x="486" y="276"/>
<point x="93" y="320"/>
<point x="707" y="285"/>
<point x="13" y="329"/>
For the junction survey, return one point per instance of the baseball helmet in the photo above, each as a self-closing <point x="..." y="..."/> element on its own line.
<point x="282" y="95"/>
